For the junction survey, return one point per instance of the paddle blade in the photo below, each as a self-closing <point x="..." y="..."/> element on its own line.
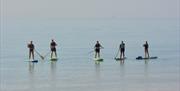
<point x="42" y="57"/>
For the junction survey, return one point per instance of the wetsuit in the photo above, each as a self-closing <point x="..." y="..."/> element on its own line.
<point x="31" y="47"/>
<point x="31" y="50"/>
<point x="97" y="48"/>
<point x="146" y="46"/>
<point x="122" y="47"/>
<point x="53" y="46"/>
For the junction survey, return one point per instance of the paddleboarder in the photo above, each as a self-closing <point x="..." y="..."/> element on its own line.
<point x="53" y="48"/>
<point x="122" y="50"/>
<point x="97" y="48"/>
<point x="146" y="46"/>
<point x="31" y="50"/>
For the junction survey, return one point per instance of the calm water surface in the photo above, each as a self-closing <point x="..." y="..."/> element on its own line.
<point x="75" y="70"/>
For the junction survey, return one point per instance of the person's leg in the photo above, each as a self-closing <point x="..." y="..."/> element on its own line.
<point x="33" y="55"/>
<point x="98" y="54"/>
<point x="148" y="53"/>
<point x="29" y="54"/>
<point x="121" y="55"/>
<point x="95" y="54"/>
<point x="51" y="54"/>
<point x="55" y="54"/>
<point x="145" y="53"/>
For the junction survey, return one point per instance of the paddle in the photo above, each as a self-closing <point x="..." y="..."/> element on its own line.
<point x="39" y="55"/>
<point x="90" y="52"/>
<point x="116" y="54"/>
<point x="47" y="54"/>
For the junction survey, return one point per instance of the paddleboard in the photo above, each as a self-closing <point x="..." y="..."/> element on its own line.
<point x="98" y="59"/>
<point x="117" y="59"/>
<point x="141" y="58"/>
<point x="54" y="59"/>
<point x="34" y="61"/>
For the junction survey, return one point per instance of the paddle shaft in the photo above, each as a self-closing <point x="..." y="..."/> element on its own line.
<point x="117" y="53"/>
<point x="39" y="54"/>
<point x="46" y="54"/>
<point x="90" y="51"/>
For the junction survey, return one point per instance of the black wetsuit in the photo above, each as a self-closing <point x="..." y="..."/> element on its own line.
<point x="53" y="46"/>
<point x="97" y="48"/>
<point x="31" y="50"/>
<point x="146" y="46"/>
<point x="31" y="47"/>
<point x="122" y="47"/>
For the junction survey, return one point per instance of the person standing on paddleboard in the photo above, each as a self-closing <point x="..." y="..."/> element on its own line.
<point x="146" y="46"/>
<point x="97" y="48"/>
<point x="122" y="50"/>
<point x="53" y="48"/>
<point x="31" y="50"/>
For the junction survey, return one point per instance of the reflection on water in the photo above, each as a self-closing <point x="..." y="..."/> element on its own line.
<point x="31" y="68"/>
<point x="146" y="61"/>
<point x="122" y="76"/>
<point x="146" y="68"/>
<point x="53" y="76"/>
<point x="122" y="62"/>
<point x="97" y="69"/>
<point x="31" y="76"/>
<point x="122" y="69"/>
<point x="53" y="68"/>
<point x="128" y="75"/>
<point x="146" y="78"/>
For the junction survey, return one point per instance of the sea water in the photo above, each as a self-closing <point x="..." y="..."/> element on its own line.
<point x="75" y="69"/>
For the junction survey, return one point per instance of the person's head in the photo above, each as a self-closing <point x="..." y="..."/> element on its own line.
<point x="122" y="42"/>
<point x="31" y="41"/>
<point x="52" y="40"/>
<point x="98" y="42"/>
<point x="146" y="42"/>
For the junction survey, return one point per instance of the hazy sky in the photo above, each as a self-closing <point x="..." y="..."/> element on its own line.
<point x="91" y="8"/>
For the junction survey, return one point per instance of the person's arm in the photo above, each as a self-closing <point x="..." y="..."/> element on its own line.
<point x="143" y="45"/>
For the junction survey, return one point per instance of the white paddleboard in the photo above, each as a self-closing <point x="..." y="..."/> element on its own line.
<point x="98" y="59"/>
<point x="53" y="59"/>
<point x="118" y="59"/>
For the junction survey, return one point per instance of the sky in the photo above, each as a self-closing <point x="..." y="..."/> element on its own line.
<point x="91" y="8"/>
